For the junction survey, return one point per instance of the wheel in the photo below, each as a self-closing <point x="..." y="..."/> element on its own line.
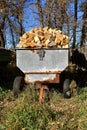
<point x="18" y="85"/>
<point x="74" y="88"/>
<point x="66" y="89"/>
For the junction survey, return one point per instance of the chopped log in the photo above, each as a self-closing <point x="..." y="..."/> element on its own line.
<point x="44" y="37"/>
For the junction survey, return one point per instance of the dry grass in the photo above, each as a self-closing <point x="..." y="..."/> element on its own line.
<point x="25" y="112"/>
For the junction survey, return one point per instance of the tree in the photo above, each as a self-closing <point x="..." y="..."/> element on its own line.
<point x="75" y="22"/>
<point x="40" y="12"/>
<point x="84" y="25"/>
<point x="11" y="19"/>
<point x="2" y="22"/>
<point x="58" y="14"/>
<point x="53" y="13"/>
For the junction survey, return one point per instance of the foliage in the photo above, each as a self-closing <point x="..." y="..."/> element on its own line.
<point x="25" y="112"/>
<point x="83" y="94"/>
<point x="83" y="109"/>
<point x="2" y="93"/>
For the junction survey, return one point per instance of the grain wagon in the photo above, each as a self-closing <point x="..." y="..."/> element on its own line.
<point x="41" y="65"/>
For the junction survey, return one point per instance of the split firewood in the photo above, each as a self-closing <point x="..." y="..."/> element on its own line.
<point x="44" y="38"/>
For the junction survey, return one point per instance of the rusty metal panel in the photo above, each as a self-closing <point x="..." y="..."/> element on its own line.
<point x="42" y="65"/>
<point x="45" y="78"/>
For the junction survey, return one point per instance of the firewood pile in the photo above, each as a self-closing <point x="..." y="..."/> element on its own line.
<point x="44" y="38"/>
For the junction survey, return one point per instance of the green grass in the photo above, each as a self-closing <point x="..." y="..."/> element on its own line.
<point x="55" y="113"/>
<point x="83" y="109"/>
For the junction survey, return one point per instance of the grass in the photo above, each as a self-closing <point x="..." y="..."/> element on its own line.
<point x="83" y="109"/>
<point x="55" y="113"/>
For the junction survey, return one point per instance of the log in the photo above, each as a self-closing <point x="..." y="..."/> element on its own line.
<point x="44" y="38"/>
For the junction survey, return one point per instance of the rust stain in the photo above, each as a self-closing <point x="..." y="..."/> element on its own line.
<point x="56" y="79"/>
<point x="44" y="72"/>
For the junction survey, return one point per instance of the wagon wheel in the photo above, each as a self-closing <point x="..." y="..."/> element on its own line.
<point x="66" y="89"/>
<point x="73" y="88"/>
<point x="18" y="85"/>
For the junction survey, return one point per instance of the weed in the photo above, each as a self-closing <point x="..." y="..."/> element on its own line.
<point x="25" y="112"/>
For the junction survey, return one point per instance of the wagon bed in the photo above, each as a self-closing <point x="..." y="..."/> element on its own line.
<point x="42" y="65"/>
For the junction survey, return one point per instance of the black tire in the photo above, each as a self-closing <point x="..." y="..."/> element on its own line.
<point x="17" y="85"/>
<point x="66" y="89"/>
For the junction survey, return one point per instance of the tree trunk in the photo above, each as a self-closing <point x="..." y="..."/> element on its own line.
<point x="40" y="13"/>
<point x="2" y="40"/>
<point x="84" y="27"/>
<point x="75" y="22"/>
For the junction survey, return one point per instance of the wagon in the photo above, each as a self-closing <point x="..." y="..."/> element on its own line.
<point x="41" y="66"/>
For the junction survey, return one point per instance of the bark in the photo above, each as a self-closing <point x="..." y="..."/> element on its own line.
<point x="2" y="39"/>
<point x="84" y="27"/>
<point x="75" y="22"/>
<point x="40" y="13"/>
